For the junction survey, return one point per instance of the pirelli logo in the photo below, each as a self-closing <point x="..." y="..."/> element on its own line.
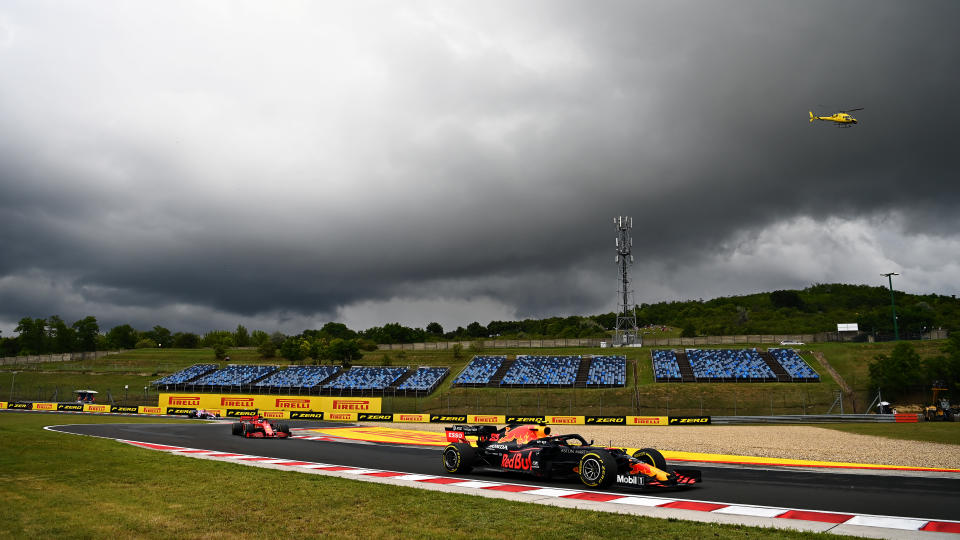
<point x="561" y="419"/>
<point x="44" y="406"/>
<point x="486" y="419"/>
<point x="184" y="401"/>
<point x="351" y="405"/>
<point x="236" y="402"/>
<point x="98" y="408"/>
<point x="273" y="414"/>
<point x="293" y="403"/>
<point x="151" y="410"/>
<point x="410" y="418"/>
<point x="348" y="417"/>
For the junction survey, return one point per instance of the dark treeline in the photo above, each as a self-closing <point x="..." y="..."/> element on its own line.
<point x="815" y="309"/>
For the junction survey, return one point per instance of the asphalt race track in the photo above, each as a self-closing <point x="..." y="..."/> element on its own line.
<point x="879" y="494"/>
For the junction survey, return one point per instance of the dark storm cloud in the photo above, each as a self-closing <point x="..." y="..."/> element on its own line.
<point x="199" y="166"/>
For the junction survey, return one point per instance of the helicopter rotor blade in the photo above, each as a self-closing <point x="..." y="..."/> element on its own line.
<point x="851" y="110"/>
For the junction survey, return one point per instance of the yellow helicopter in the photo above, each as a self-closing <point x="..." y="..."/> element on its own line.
<point x="842" y="118"/>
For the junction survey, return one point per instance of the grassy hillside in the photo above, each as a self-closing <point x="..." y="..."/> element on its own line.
<point x="136" y="369"/>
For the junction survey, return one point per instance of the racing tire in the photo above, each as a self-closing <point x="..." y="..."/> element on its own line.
<point x="238" y="428"/>
<point x="598" y="469"/>
<point x="458" y="458"/>
<point x="651" y="456"/>
<point x="284" y="428"/>
<point x="248" y="429"/>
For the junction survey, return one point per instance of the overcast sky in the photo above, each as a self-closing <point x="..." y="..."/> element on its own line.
<point x="285" y="164"/>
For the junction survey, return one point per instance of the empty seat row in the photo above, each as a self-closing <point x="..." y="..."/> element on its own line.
<point x="299" y="377"/>
<point x="366" y="378"/>
<point x="424" y="379"/>
<point x="729" y="364"/>
<point x="185" y="375"/>
<point x="665" y="366"/>
<point x="542" y="370"/>
<point x="234" y="375"/>
<point x="795" y="366"/>
<point x="480" y="370"/>
<point x="607" y="371"/>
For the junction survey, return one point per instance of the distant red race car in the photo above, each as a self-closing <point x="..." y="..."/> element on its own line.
<point x="258" y="427"/>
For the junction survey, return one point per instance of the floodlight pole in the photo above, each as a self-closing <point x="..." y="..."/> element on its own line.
<point x="893" y="307"/>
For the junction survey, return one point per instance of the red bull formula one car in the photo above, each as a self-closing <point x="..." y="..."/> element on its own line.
<point x="258" y="427"/>
<point x="530" y="449"/>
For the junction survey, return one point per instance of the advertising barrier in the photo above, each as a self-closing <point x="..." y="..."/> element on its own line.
<point x="367" y="417"/>
<point x="647" y="421"/>
<point x="44" y="406"/>
<point x="486" y="419"/>
<point x="448" y="418"/>
<point x="275" y="415"/>
<point x="236" y="413"/>
<point x="565" y="420"/>
<point x="688" y="420"/>
<point x="412" y="417"/>
<point x="341" y="416"/>
<point x="605" y="420"/>
<point x="75" y="407"/>
<point x="524" y="419"/>
<point x="3" y="404"/>
<point x="128" y="409"/>
<point x="97" y="408"/>
<point x="306" y="415"/>
<point x="149" y="410"/>
<point x="272" y="402"/>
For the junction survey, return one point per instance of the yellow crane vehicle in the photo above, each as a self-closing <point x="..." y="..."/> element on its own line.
<point x="940" y="410"/>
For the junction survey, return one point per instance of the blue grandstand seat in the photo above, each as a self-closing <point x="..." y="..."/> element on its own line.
<point x="542" y="371"/>
<point x="234" y="375"/>
<point x="607" y="371"/>
<point x="794" y="365"/>
<point x="665" y="366"/>
<point x="424" y="379"/>
<point x="366" y="378"/>
<point x="729" y="365"/>
<point x="185" y="375"/>
<point x="479" y="371"/>
<point x="298" y="377"/>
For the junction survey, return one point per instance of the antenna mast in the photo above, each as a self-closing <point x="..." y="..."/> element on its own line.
<point x="626" y="334"/>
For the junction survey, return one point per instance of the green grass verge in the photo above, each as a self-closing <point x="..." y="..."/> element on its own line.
<point x="938" y="432"/>
<point x="136" y="369"/>
<point x="58" y="485"/>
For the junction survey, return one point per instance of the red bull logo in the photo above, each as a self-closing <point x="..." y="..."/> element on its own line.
<point x="522" y="434"/>
<point x="243" y="402"/>
<point x="184" y="401"/>
<point x="293" y="403"/>
<point x="521" y="461"/>
<point x="351" y="405"/>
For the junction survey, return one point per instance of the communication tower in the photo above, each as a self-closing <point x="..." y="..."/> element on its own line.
<point x="625" y="333"/>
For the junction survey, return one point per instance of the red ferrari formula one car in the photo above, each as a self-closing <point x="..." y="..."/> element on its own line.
<point x="531" y="450"/>
<point x="258" y="427"/>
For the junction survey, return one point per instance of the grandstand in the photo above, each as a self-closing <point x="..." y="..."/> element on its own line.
<point x="665" y="366"/>
<point x="542" y="371"/>
<point x="424" y="380"/>
<point x="794" y="365"/>
<point x="185" y="375"/>
<point x="479" y="371"/>
<point x="607" y="371"/>
<point x="364" y="380"/>
<point x="233" y="376"/>
<point x="300" y="378"/>
<point x="729" y="365"/>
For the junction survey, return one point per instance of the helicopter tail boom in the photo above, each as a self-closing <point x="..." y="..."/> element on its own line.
<point x="811" y="116"/>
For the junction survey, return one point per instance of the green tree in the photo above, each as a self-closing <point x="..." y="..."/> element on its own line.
<point x="240" y="336"/>
<point x="87" y="330"/>
<point x="146" y="343"/>
<point x="434" y="329"/>
<point x="257" y="337"/>
<point x="457" y="351"/>
<point x="122" y="337"/>
<point x="32" y="336"/>
<point x="946" y="367"/>
<point x="267" y="349"/>
<point x="894" y="375"/>
<point x="292" y="349"/>
<point x="186" y="340"/>
<point x="62" y="338"/>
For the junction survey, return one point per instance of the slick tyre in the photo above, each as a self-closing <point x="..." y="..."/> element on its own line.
<point x="651" y="457"/>
<point x="283" y="428"/>
<point x="598" y="469"/>
<point x="237" y="428"/>
<point x="458" y="458"/>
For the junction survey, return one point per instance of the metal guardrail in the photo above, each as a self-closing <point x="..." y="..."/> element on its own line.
<point x="804" y="419"/>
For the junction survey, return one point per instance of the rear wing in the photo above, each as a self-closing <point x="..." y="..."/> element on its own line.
<point x="250" y="418"/>
<point x="482" y="433"/>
